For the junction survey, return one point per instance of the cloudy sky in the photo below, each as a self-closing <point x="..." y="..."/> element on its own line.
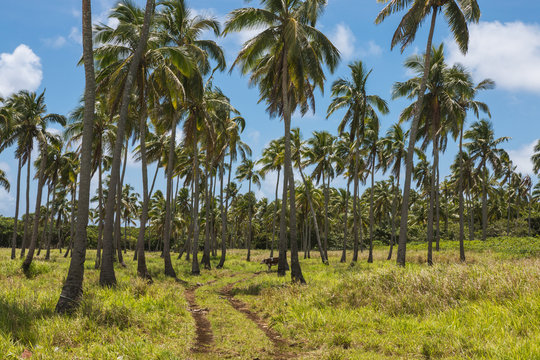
<point x="41" y="45"/>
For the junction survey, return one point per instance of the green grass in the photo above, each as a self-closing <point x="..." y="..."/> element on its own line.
<point x="487" y="308"/>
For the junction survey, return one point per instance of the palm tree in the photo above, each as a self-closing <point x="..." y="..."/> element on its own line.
<point x="344" y="165"/>
<point x="320" y="154"/>
<point x="395" y="148"/>
<point x="352" y="95"/>
<point x="3" y="180"/>
<point x="372" y="146"/>
<point x="107" y="276"/>
<point x="458" y="13"/>
<point x="246" y="171"/>
<point x="286" y="61"/>
<point x="535" y="158"/>
<point x="483" y="149"/>
<point x="272" y="160"/>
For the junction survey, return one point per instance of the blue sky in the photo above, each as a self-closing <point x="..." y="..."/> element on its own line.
<point x="41" y="45"/>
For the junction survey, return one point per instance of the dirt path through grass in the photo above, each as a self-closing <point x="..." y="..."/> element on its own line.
<point x="280" y="344"/>
<point x="205" y="337"/>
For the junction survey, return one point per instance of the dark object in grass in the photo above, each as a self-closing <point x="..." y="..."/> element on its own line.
<point x="270" y="261"/>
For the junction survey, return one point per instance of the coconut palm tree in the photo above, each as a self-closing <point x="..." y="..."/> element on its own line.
<point x="458" y="13"/>
<point x="395" y="148"/>
<point x="351" y="95"/>
<point x="3" y="180"/>
<point x="272" y="160"/>
<point x="484" y="150"/>
<point x="320" y="153"/>
<point x="107" y="276"/>
<point x="286" y="60"/>
<point x="246" y="171"/>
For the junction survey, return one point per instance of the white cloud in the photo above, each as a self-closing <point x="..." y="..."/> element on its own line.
<point x="7" y="202"/>
<point x="373" y="49"/>
<point x="508" y="53"/>
<point x="20" y="70"/>
<point x="522" y="158"/>
<point x="75" y="13"/>
<point x="56" y="42"/>
<point x="344" y="39"/>
<point x="75" y="35"/>
<point x="254" y="137"/>
<point x="5" y="166"/>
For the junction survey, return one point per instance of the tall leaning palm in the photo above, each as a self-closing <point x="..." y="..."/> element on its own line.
<point x="286" y="61"/>
<point x="458" y="14"/>
<point x="351" y="95"/>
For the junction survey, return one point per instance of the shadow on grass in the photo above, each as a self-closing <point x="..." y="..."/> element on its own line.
<point x="17" y="320"/>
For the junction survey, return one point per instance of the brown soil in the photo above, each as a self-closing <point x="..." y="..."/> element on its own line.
<point x="205" y="337"/>
<point x="280" y="344"/>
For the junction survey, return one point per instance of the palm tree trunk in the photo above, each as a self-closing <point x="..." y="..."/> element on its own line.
<point x="325" y="186"/>
<point x="46" y="225"/>
<point x="431" y="200"/>
<point x="324" y="259"/>
<point x="437" y="199"/>
<point x="27" y="216"/>
<point x="207" y="186"/>
<point x="101" y="215"/>
<point x="169" y="270"/>
<point x="371" y="220"/>
<point x="355" y="197"/>
<point x="484" y="204"/>
<point x="107" y="277"/>
<point x="223" y="217"/>
<point x="461" y="210"/>
<point x="249" y="223"/>
<point x="35" y="231"/>
<point x="471" y="216"/>
<point x="283" y="266"/>
<point x="118" y="221"/>
<point x="395" y="201"/>
<point x="72" y="223"/>
<point x="345" y="225"/>
<point x="402" y="244"/>
<point x="296" y="271"/>
<point x="275" y="215"/>
<point x="16" y="218"/>
<point x="195" y="263"/>
<point x="142" y="270"/>
<point x="51" y="222"/>
<point x="529" y="209"/>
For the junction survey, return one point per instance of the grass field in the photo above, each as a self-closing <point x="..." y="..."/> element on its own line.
<point x="486" y="308"/>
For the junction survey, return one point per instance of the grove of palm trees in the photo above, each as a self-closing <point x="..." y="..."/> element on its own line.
<point x="141" y="221"/>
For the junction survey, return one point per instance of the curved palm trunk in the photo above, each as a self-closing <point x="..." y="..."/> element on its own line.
<point x="35" y="230"/>
<point x="402" y="244"/>
<point x="169" y="270"/>
<point x="27" y="216"/>
<point x="195" y="263"/>
<point x="371" y="220"/>
<point x="16" y="218"/>
<point x="345" y="227"/>
<point x="275" y="216"/>
<point x="107" y="277"/>
<point x="460" y="190"/>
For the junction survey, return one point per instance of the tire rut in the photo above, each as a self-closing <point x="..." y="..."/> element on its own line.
<point x="280" y="344"/>
<point x="205" y="337"/>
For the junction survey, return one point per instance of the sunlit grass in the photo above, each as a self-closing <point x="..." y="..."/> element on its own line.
<point x="488" y="307"/>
